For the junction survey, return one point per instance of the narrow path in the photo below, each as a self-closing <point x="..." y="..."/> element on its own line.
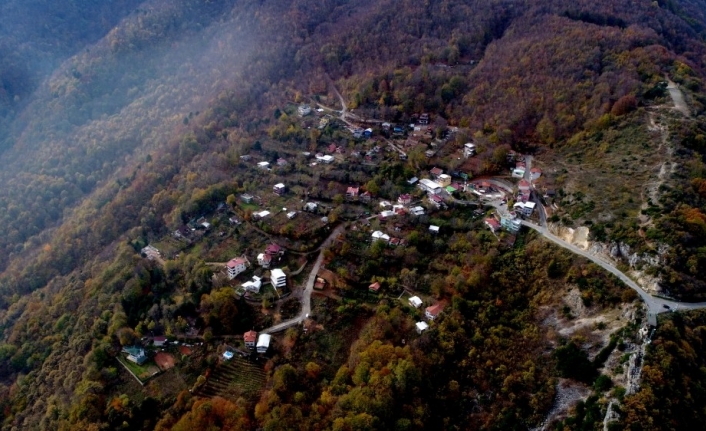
<point x="309" y="288"/>
<point x="654" y="304"/>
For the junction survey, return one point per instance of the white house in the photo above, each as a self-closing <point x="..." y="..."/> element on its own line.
<point x="264" y="260"/>
<point x="304" y="110"/>
<point x="278" y="278"/>
<point x="432" y="312"/>
<point x="324" y="158"/>
<point x="379" y="236"/>
<point x="253" y="285"/>
<point x="417" y="210"/>
<point x="443" y="180"/>
<point x="434" y="229"/>
<point x="261" y="214"/>
<point x="291" y="214"/>
<point x="227" y="355"/>
<point x="415" y="302"/>
<point x="430" y="186"/>
<point x="236" y="265"/>
<point x="525" y="208"/>
<point x="469" y="150"/>
<point x="518" y="172"/>
<point x="263" y="343"/>
<point x="263" y="165"/>
<point x="279" y="189"/>
<point x="421" y="327"/>
<point x="311" y="206"/>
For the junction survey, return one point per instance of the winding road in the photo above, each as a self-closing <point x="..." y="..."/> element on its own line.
<point x="654" y="304"/>
<point x="306" y="295"/>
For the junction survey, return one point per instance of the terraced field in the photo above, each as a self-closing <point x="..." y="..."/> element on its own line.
<point x="236" y="378"/>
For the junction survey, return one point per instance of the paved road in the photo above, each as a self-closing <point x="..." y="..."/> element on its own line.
<point x="654" y="304"/>
<point x="306" y="295"/>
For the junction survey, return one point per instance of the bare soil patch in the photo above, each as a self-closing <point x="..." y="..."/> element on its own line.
<point x="164" y="361"/>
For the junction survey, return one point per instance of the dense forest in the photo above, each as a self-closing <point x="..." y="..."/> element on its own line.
<point x="121" y="121"/>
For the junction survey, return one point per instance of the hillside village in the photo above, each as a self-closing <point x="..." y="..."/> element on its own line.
<point x="277" y="226"/>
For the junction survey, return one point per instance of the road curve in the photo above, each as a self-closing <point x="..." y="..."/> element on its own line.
<point x="654" y="304"/>
<point x="306" y="295"/>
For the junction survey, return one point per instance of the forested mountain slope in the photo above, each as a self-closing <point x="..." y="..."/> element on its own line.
<point x="123" y="120"/>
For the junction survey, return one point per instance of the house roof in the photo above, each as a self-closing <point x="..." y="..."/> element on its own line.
<point x="352" y="190"/>
<point x="435" y="309"/>
<point x="236" y="261"/>
<point x="492" y="223"/>
<point x="279" y="186"/>
<point x="273" y="249"/>
<point x="536" y="170"/>
<point x="523" y="184"/>
<point x="415" y="301"/>
<point x="374" y="287"/>
<point x="434" y="228"/>
<point x="264" y="340"/>
<point x="436" y="171"/>
<point x="160" y="338"/>
<point x="134" y="351"/>
<point x="250" y="336"/>
<point x="430" y="184"/>
<point x="264" y="257"/>
<point x="436" y="198"/>
<point x="422" y="326"/>
<point x="404" y="197"/>
<point x="276" y="273"/>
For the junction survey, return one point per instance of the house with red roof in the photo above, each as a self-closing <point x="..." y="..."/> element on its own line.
<point x="535" y="173"/>
<point x="352" y="192"/>
<point x="493" y="224"/>
<point x="250" y="339"/>
<point x="404" y="199"/>
<point x="432" y="312"/>
<point x="274" y="250"/>
<point x="524" y="185"/>
<point x="436" y="200"/>
<point x="237" y="265"/>
<point x="436" y="172"/>
<point x="374" y="287"/>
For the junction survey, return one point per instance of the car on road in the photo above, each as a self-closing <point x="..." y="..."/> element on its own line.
<point x="667" y="306"/>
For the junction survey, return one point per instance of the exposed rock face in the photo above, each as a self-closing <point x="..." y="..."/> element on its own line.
<point x="617" y="252"/>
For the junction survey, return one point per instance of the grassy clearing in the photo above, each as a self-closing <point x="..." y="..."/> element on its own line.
<point x="602" y="177"/>
<point x="143" y="372"/>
